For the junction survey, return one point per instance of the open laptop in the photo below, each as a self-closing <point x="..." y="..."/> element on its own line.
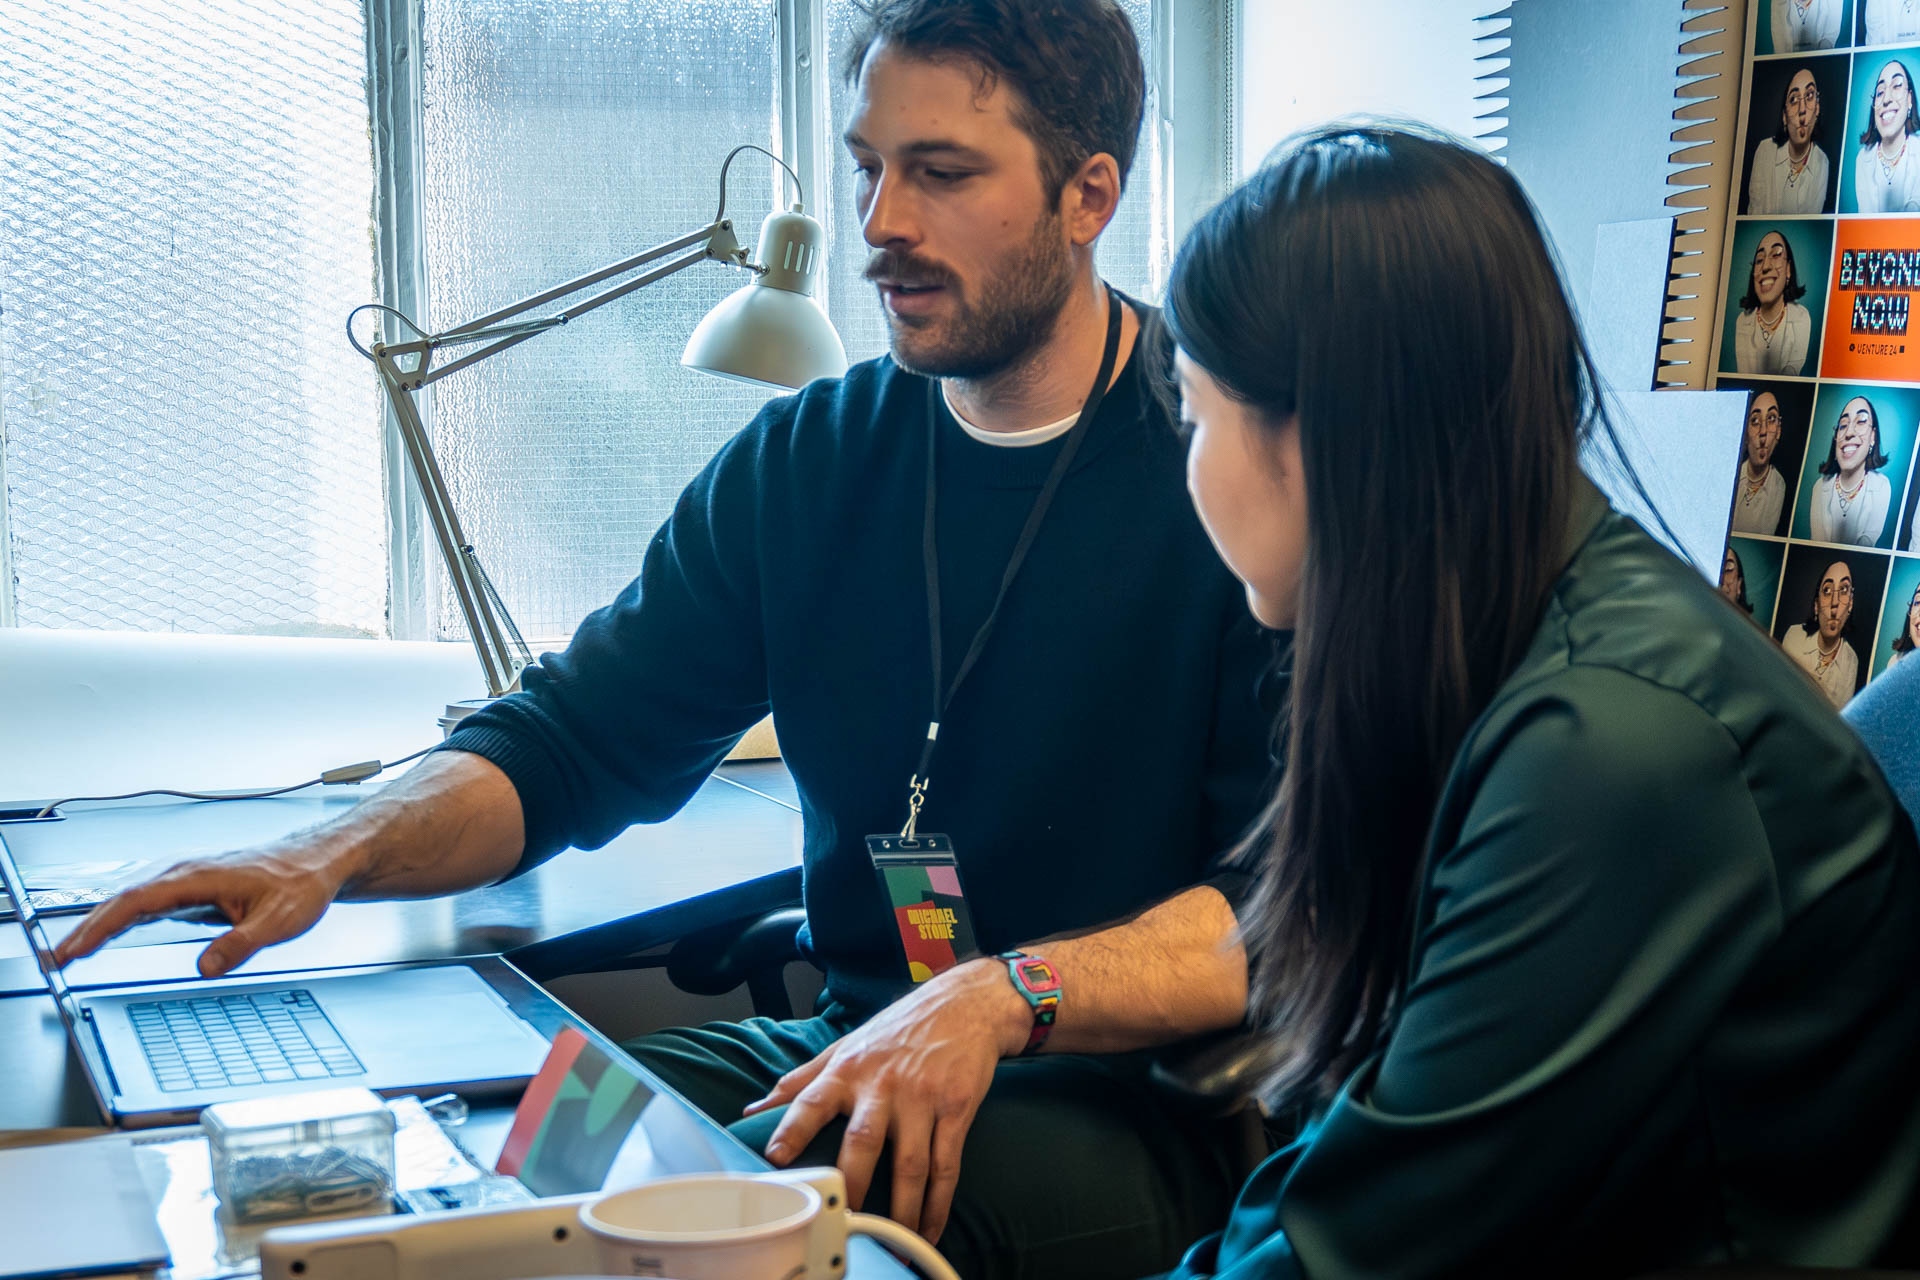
<point x="156" y="1055"/>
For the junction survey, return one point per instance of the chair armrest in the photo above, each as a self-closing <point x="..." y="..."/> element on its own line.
<point x="1216" y="1074"/>
<point x="714" y="961"/>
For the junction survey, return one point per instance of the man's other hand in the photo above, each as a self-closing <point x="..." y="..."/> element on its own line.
<point x="913" y="1076"/>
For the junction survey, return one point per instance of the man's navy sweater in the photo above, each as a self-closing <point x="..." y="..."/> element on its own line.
<point x="1105" y="752"/>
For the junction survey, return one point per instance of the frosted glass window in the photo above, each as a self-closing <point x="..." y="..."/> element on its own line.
<point x="559" y="136"/>
<point x="1132" y="253"/>
<point x="185" y="211"/>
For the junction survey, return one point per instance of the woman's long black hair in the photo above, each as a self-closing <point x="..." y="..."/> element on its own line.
<point x="1393" y="291"/>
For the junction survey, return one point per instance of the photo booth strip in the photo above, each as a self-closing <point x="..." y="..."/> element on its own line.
<point x="1869" y="339"/>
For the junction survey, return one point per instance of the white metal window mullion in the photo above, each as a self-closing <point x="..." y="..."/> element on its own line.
<point x="1232" y="23"/>
<point x="1193" y="60"/>
<point x="804" y="105"/>
<point x="394" y="79"/>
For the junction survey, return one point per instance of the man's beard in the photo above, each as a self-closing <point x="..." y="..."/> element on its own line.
<point x="1015" y="314"/>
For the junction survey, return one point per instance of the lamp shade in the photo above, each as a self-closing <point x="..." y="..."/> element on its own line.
<point x="773" y="332"/>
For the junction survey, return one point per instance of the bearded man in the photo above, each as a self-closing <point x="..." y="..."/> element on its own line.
<point x="968" y="582"/>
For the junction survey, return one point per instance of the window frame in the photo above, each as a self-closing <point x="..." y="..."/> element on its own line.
<point x="394" y="93"/>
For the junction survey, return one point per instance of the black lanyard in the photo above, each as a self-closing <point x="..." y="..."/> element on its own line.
<point x="930" y="549"/>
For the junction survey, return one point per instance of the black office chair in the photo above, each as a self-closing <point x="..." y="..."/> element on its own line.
<point x="756" y="952"/>
<point x="753" y="950"/>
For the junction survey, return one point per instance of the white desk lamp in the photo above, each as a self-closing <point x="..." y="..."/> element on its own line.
<point x="770" y="333"/>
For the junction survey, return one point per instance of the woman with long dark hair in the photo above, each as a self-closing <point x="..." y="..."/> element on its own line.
<point x="1788" y="173"/>
<point x="1823" y="643"/>
<point x="1883" y="181"/>
<point x="1733" y="580"/>
<point x="1909" y="637"/>
<point x="1774" y="331"/>
<point x="1582" y="927"/>
<point x="1760" y="495"/>
<point x="1851" y="498"/>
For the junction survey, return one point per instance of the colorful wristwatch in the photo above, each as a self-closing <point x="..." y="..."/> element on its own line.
<point x="1037" y="982"/>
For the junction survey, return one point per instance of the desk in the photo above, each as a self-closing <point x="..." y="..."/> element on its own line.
<point x="46" y="1088"/>
<point x="734" y="851"/>
<point x="46" y="1085"/>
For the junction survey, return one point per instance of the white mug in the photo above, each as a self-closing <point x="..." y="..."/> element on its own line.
<point x="791" y="1224"/>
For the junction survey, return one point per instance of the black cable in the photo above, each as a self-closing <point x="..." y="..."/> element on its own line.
<point x="332" y="777"/>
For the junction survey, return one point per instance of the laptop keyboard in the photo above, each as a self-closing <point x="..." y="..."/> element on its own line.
<point x="215" y="1041"/>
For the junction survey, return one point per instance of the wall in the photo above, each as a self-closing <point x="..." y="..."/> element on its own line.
<point x="99" y="712"/>
<point x="1591" y="116"/>
<point x="1302" y="64"/>
<point x="1585" y="121"/>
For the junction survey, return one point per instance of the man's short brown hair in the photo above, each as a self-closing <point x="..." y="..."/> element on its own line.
<point x="1074" y="64"/>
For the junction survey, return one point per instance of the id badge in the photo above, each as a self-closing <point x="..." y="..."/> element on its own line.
<point x="921" y="881"/>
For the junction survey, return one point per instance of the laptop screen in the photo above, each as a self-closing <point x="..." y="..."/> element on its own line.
<point x="591" y="1120"/>
<point x="31" y="921"/>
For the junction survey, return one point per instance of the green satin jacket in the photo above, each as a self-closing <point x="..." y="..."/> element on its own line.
<point x="1661" y="1005"/>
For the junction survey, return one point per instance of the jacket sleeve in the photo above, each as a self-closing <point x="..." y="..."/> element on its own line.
<point x="656" y="687"/>
<point x="1609" y="886"/>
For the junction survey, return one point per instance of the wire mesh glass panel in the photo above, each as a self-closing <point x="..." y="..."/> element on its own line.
<point x="185" y="220"/>
<point x="561" y="136"/>
<point x="1132" y="253"/>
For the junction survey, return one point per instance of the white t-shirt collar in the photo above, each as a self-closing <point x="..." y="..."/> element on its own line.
<point x="1010" y="439"/>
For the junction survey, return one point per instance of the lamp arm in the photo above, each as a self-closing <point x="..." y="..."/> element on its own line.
<point x="716" y="238"/>
<point x="405" y="367"/>
<point x="497" y="663"/>
<point x="512" y="335"/>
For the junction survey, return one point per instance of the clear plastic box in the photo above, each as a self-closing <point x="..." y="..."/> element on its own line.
<point x="301" y="1155"/>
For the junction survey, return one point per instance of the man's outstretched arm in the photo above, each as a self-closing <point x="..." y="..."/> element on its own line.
<point x="452" y="822"/>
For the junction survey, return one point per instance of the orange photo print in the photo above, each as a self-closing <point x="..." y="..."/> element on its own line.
<point x="1870" y="329"/>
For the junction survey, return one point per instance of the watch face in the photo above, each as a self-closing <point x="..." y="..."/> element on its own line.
<point x="1039" y="976"/>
